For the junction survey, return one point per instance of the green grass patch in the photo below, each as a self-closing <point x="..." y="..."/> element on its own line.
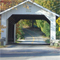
<point x="47" y="41"/>
<point x="55" y="46"/>
<point x="1" y="46"/>
<point x="17" y="41"/>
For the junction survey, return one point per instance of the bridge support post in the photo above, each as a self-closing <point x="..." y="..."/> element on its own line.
<point x="4" y="28"/>
<point x="53" y="31"/>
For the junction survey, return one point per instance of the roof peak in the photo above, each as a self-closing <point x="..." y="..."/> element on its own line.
<point x="32" y="3"/>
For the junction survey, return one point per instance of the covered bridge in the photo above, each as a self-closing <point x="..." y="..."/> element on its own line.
<point x="26" y="10"/>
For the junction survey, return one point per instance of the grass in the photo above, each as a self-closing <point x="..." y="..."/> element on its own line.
<point x="57" y="47"/>
<point x="17" y="41"/>
<point x="47" y="41"/>
<point x="1" y="46"/>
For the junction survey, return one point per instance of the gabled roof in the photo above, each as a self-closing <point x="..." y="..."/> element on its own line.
<point x="32" y="3"/>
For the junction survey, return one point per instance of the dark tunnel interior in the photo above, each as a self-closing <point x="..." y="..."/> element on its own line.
<point x="13" y="19"/>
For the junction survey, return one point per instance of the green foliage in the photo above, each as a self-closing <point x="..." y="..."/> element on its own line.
<point x="57" y="32"/>
<point x="47" y="41"/>
<point x="46" y="29"/>
<point x="53" y="5"/>
<point x="18" y="35"/>
<point x="40" y="23"/>
<point x="44" y="26"/>
<point x="19" y="31"/>
<point x="22" y="34"/>
<point x="58" y="41"/>
<point x="55" y="44"/>
<point x="27" y="22"/>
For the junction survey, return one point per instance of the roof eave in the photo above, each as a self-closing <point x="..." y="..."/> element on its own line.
<point x="45" y="8"/>
<point x="32" y="3"/>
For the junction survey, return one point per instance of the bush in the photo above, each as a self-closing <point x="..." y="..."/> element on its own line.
<point x="19" y="30"/>
<point x="20" y="35"/>
<point x="47" y="41"/>
<point x="46" y="29"/>
<point x="57" y="32"/>
<point x="44" y="26"/>
<point x="58" y="41"/>
<point x="55" y="44"/>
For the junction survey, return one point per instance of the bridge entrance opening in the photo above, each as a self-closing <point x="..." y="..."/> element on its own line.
<point x="14" y="19"/>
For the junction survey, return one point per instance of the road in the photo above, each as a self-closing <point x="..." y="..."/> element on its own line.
<point x="29" y="52"/>
<point x="32" y="37"/>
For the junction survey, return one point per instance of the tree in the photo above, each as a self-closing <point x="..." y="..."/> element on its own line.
<point x="19" y="30"/>
<point x="5" y="4"/>
<point x="27" y="22"/>
<point x="53" y="5"/>
<point x="44" y="26"/>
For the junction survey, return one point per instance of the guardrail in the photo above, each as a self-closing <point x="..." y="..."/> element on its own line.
<point x="2" y="42"/>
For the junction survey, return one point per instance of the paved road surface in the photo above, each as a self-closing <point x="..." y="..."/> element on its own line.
<point x="32" y="37"/>
<point x="29" y="52"/>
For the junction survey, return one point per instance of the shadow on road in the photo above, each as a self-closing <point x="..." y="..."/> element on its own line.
<point x="29" y="52"/>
